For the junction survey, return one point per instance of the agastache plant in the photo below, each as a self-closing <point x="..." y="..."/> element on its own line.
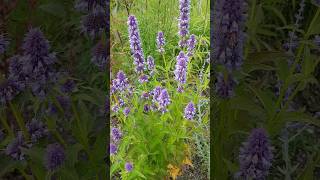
<point x="184" y="19"/>
<point x="189" y="111"/>
<point x="121" y="83"/>
<point x="181" y="70"/>
<point x="135" y="44"/>
<point x="99" y="55"/>
<point x="255" y="156"/>
<point x="160" y="42"/>
<point x="225" y="85"/>
<point x="191" y="45"/>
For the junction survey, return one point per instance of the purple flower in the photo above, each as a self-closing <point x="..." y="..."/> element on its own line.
<point x="16" y="73"/>
<point x="128" y="166"/>
<point x="164" y="100"/>
<point x="255" y="156"/>
<point x="143" y="78"/>
<point x="36" y="129"/>
<point x="4" y="43"/>
<point x="8" y="90"/>
<point x="135" y="44"/>
<point x="14" y="147"/>
<point x="225" y="86"/>
<point x="121" y="102"/>
<point x="68" y="86"/>
<point x="55" y="156"/>
<point x="181" y="68"/>
<point x="121" y="83"/>
<point x="191" y="45"/>
<point x="146" y="108"/>
<point x="150" y="63"/>
<point x="116" y="134"/>
<point x="126" y="111"/>
<point x="113" y="149"/>
<point x="184" y="19"/>
<point x="156" y="93"/>
<point x="160" y="42"/>
<point x="99" y="55"/>
<point x="228" y="33"/>
<point x="115" y="108"/>
<point x="145" y="95"/>
<point x="189" y="111"/>
<point x="38" y="62"/>
<point x="94" y="23"/>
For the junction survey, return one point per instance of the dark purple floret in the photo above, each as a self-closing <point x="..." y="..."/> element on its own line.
<point x="14" y="147"/>
<point x="8" y="90"/>
<point x="160" y="42"/>
<point x="88" y="5"/>
<point x="128" y="166"/>
<point x="36" y="130"/>
<point x="135" y="44"/>
<point x="121" y="83"/>
<point x="99" y="55"/>
<point x="121" y="102"/>
<point x="255" y="156"/>
<point x="184" y="7"/>
<point x="126" y="111"/>
<point x="94" y="23"/>
<point x="4" y="43"/>
<point x="181" y="69"/>
<point x="228" y="33"/>
<point x="143" y="78"/>
<point x="116" y="134"/>
<point x="164" y="100"/>
<point x="150" y="63"/>
<point x="191" y="45"/>
<point x="55" y="156"/>
<point x="145" y="95"/>
<point x="189" y="111"/>
<point x="225" y="86"/>
<point x="68" y="86"/>
<point x="113" y="149"/>
<point x="146" y="108"/>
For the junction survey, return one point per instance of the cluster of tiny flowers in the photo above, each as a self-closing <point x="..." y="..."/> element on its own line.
<point x="191" y="45"/>
<point x="55" y="156"/>
<point x="121" y="83"/>
<point x="135" y="44"/>
<point x="99" y="55"/>
<point x="4" y="43"/>
<point x="156" y="93"/>
<point x="126" y="111"/>
<point x="113" y="149"/>
<point x="14" y="148"/>
<point x="181" y="70"/>
<point x="255" y="156"/>
<point x="150" y="63"/>
<point x="143" y="78"/>
<point x="184" y="19"/>
<point x="128" y="166"/>
<point x="189" y="111"/>
<point x="228" y="33"/>
<point x="145" y="95"/>
<point x="116" y="134"/>
<point x="36" y="130"/>
<point x="164" y="100"/>
<point x="225" y="86"/>
<point x="38" y="64"/>
<point x="8" y="90"/>
<point x="160" y="42"/>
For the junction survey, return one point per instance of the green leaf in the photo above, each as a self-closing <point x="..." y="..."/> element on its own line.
<point x="54" y="9"/>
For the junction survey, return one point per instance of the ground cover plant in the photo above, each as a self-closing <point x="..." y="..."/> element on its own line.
<point x="53" y="86"/>
<point x="265" y="76"/>
<point x="159" y="89"/>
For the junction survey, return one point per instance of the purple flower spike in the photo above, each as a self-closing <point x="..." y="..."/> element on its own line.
<point x="55" y="156"/>
<point x="121" y="102"/>
<point x="16" y="73"/>
<point x="126" y="111"/>
<point x="160" y="42"/>
<point x="156" y="93"/>
<point x="94" y="23"/>
<point x="99" y="55"/>
<point x="191" y="45"/>
<point x="128" y="167"/>
<point x="255" y="156"/>
<point x="229" y="33"/>
<point x="36" y="129"/>
<point x="121" y="83"/>
<point x="164" y="100"/>
<point x="189" y="111"/>
<point x="115" y="108"/>
<point x="14" y="147"/>
<point x="116" y="134"/>
<point x="150" y="63"/>
<point x="135" y="44"/>
<point x="145" y="95"/>
<point x="8" y="90"/>
<point x="113" y="149"/>
<point x="181" y="69"/>
<point x="4" y="43"/>
<point x="143" y="78"/>
<point x="225" y="86"/>
<point x="184" y="19"/>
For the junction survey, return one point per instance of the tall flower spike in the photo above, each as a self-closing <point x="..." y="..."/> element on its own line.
<point x="135" y="44"/>
<point x="94" y="23"/>
<point x="156" y="93"/>
<point x="164" y="100"/>
<point x="184" y="19"/>
<point x="121" y="83"/>
<point x="8" y="90"/>
<point x="228" y="33"/>
<point x="4" y="43"/>
<point x="36" y="129"/>
<point x="181" y="70"/>
<point x="116" y="134"/>
<point x="113" y="149"/>
<point x="99" y="55"/>
<point x="225" y="86"/>
<point x="55" y="156"/>
<point x="189" y="111"/>
<point x="255" y="156"/>
<point x="191" y="45"/>
<point x="150" y="62"/>
<point x="160" y="42"/>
